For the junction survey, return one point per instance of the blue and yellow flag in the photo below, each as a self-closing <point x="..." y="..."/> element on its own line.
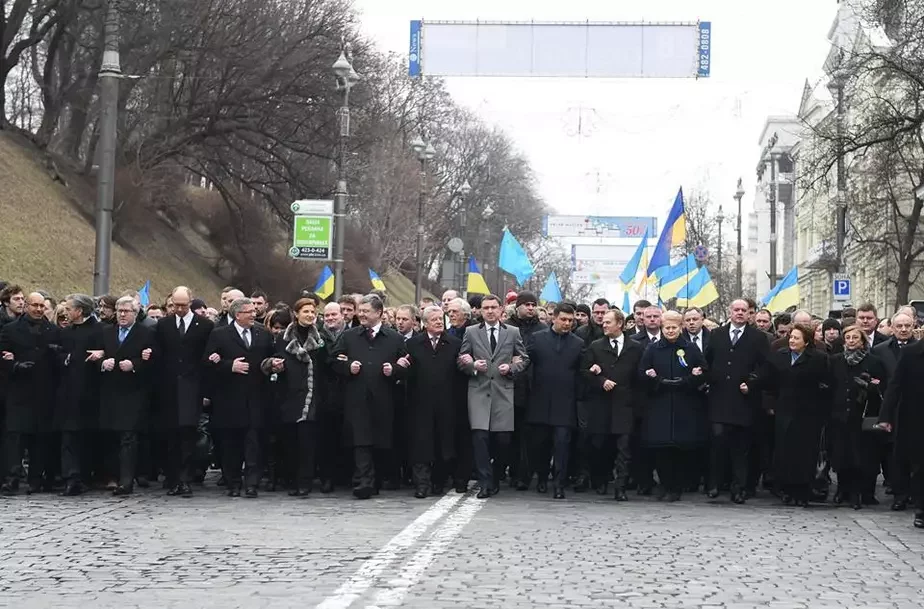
<point x="513" y="259"/>
<point x="325" y="285"/>
<point x="638" y="262"/>
<point x="626" y="306"/>
<point x="785" y="294"/>
<point x="677" y="276"/>
<point x="699" y="292"/>
<point x="673" y="235"/>
<point x="476" y="282"/>
<point x="377" y="282"/>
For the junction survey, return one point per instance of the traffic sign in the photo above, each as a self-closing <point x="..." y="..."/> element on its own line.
<point x="312" y="238"/>
<point x="313" y="207"/>
<point x="841" y="287"/>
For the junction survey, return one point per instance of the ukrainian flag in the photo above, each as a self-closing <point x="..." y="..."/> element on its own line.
<point x="677" y="276"/>
<point x="639" y="261"/>
<point x="785" y="294"/>
<point x="626" y="306"/>
<point x="325" y="286"/>
<point x="699" y="292"/>
<point x="476" y="282"/>
<point x="673" y="235"/>
<point x="377" y="282"/>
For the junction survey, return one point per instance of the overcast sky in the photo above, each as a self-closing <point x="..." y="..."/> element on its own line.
<point x="643" y="138"/>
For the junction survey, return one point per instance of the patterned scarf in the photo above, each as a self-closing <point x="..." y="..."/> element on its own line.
<point x="856" y="356"/>
<point x="302" y="352"/>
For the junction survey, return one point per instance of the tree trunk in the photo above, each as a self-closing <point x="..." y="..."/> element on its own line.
<point x="903" y="281"/>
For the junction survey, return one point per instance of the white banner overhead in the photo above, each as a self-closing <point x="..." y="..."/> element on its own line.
<point x="560" y="49"/>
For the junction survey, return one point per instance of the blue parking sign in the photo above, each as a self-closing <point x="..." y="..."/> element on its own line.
<point x="841" y="286"/>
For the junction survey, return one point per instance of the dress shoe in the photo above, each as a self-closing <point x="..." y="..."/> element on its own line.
<point x="581" y="484"/>
<point x="900" y="504"/>
<point x="673" y="497"/>
<point x="363" y="493"/>
<point x="857" y="502"/>
<point x="221" y="481"/>
<point x="173" y="492"/>
<point x="870" y="500"/>
<point x="121" y="491"/>
<point x="483" y="493"/>
<point x="437" y="491"/>
<point x="234" y="492"/>
<point x="73" y="489"/>
<point x="420" y="493"/>
<point x="7" y="490"/>
<point x="602" y="489"/>
<point x="522" y="485"/>
<point x="559" y="493"/>
<point x="142" y="482"/>
<point x="111" y="485"/>
<point x="251" y="492"/>
<point x="495" y="489"/>
<point x="296" y="492"/>
<point x="184" y="490"/>
<point x="644" y="490"/>
<point x="621" y="495"/>
<point x="461" y="488"/>
<point x="391" y="485"/>
<point x="327" y="486"/>
<point x="838" y="497"/>
<point x="803" y="503"/>
<point x="713" y="493"/>
<point x="739" y="498"/>
<point x="919" y="520"/>
<point x="34" y="488"/>
<point x="542" y="487"/>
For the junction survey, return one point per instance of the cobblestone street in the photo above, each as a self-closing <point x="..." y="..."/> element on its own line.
<point x="514" y="550"/>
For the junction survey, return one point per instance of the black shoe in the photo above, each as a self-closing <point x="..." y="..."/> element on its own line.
<point x="363" y="493"/>
<point x="786" y="498"/>
<point x="900" y="504"/>
<point x="483" y="493"/>
<point x="672" y="497"/>
<point x="581" y="484"/>
<point x="919" y="520"/>
<point x="234" y="492"/>
<point x="870" y="500"/>
<point x="183" y="490"/>
<point x="559" y="493"/>
<point x="461" y="488"/>
<point x="857" y="503"/>
<point x="420" y="493"/>
<point x="644" y="490"/>
<point x="838" y="497"/>
<point x="620" y="495"/>
<point x="142" y="482"/>
<point x="739" y="498"/>
<point x="495" y="489"/>
<point x="34" y="488"/>
<point x="327" y="486"/>
<point x="175" y="491"/>
<point x="73" y="489"/>
<point x="251" y="492"/>
<point x="121" y="491"/>
<point x="804" y="503"/>
<point x="522" y="485"/>
<point x="542" y="487"/>
<point x="7" y="490"/>
<point x="221" y="481"/>
<point x="713" y="493"/>
<point x="438" y="491"/>
<point x="391" y="485"/>
<point x="888" y="490"/>
<point x="296" y="492"/>
<point x="603" y="489"/>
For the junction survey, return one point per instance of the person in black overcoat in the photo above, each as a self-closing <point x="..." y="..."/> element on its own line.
<point x="610" y="370"/>
<point x="675" y="411"/>
<point x="30" y="347"/>
<point x="241" y="394"/>
<point x="556" y="372"/>
<point x="303" y="390"/>
<point x="181" y="386"/>
<point x="902" y="414"/>
<point x="437" y="390"/>
<point x="366" y="358"/>
<point x="77" y="404"/>
<point x="733" y="353"/>
<point x="859" y="377"/>
<point x="459" y="314"/>
<point x="125" y="389"/>
<point x="798" y="380"/>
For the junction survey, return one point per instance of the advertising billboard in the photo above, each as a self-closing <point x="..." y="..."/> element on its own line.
<point x="632" y="227"/>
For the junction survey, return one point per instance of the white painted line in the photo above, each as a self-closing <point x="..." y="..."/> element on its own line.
<point x="365" y="576"/>
<point x="394" y="594"/>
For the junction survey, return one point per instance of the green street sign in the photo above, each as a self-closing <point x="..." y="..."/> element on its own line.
<point x="312" y="238"/>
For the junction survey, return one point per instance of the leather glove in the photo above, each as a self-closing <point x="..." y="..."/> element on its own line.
<point x="672" y="382"/>
<point x="23" y="366"/>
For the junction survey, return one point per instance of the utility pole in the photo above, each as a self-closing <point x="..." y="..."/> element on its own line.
<point x="721" y="219"/>
<point x="109" y="75"/>
<point x="346" y="78"/>
<point x="841" y="227"/>
<point x="739" y="194"/>
<point x="425" y="152"/>
<point x="772" y="200"/>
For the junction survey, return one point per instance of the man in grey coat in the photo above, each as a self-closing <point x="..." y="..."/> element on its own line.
<point x="492" y="354"/>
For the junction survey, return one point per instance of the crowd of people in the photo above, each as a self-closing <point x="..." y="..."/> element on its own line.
<point x="102" y="392"/>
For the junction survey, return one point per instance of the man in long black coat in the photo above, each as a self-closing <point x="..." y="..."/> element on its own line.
<point x="610" y="369"/>
<point x="367" y="359"/>
<point x="29" y="347"/>
<point x="77" y="404"/>
<point x="459" y="313"/>
<point x="240" y="395"/>
<point x="181" y="342"/>
<point x="437" y="390"/>
<point x="734" y="353"/>
<point x="125" y="389"/>
<point x="556" y="360"/>
<point x="582" y="449"/>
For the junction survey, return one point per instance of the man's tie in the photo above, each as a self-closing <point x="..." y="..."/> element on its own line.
<point x="493" y="341"/>
<point x="182" y="327"/>
<point x="123" y="332"/>
<point x="696" y="342"/>
<point x="435" y="341"/>
<point x="735" y="334"/>
<point x="246" y="337"/>
<point x="371" y="333"/>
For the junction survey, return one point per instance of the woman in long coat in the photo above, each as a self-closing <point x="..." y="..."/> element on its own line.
<point x="859" y="380"/>
<point x="675" y="413"/>
<point x="798" y="379"/>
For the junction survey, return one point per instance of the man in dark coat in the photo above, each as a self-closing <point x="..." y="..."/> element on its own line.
<point x="333" y="457"/>
<point x="29" y="347"/>
<point x="125" y="388"/>
<point x="903" y="413"/>
<point x="241" y="394"/>
<point x="556" y="360"/>
<point x="367" y="359"/>
<point x="181" y="341"/>
<point x="77" y="404"/>
<point x="610" y="369"/>
<point x="648" y="323"/>
<point x="436" y="392"/>
<point x="581" y="449"/>
<point x="693" y="330"/>
<point x="459" y="313"/>
<point x="868" y="320"/>
<point x="733" y="353"/>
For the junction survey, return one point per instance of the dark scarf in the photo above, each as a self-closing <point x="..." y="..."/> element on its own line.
<point x="301" y="348"/>
<point x="857" y="356"/>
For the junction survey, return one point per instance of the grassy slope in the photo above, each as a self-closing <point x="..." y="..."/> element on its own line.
<point x="46" y="244"/>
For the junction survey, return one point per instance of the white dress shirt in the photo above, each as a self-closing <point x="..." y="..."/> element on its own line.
<point x="697" y="340"/>
<point x="241" y="330"/>
<point x="374" y="330"/>
<point x="487" y="330"/>
<point x="731" y="332"/>
<point x="618" y="343"/>
<point x="187" y="320"/>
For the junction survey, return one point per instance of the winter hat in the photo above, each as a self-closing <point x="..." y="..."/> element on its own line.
<point x="525" y="297"/>
<point x="830" y="324"/>
<point x="510" y="298"/>
<point x="583" y="308"/>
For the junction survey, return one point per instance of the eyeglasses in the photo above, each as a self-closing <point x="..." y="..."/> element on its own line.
<point x="124" y="311"/>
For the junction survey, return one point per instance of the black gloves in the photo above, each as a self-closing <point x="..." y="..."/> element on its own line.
<point x="23" y="366"/>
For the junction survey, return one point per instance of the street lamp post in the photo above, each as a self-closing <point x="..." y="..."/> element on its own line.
<point x="772" y="192"/>
<point x="346" y="78"/>
<point x="425" y="152"/>
<point x="721" y="220"/>
<point x="464" y="190"/>
<point x="739" y="194"/>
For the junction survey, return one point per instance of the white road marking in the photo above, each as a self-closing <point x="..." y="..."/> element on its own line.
<point x="394" y="594"/>
<point x="365" y="576"/>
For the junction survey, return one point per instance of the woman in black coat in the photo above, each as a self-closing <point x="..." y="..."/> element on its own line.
<point x="798" y="380"/>
<point x="675" y="412"/>
<point x="300" y="391"/>
<point x="859" y="380"/>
